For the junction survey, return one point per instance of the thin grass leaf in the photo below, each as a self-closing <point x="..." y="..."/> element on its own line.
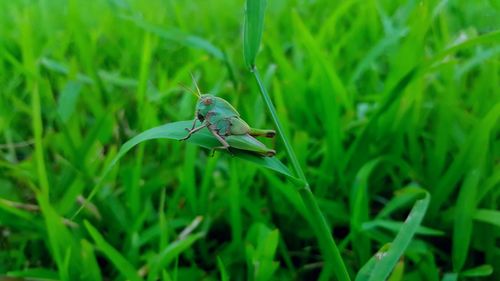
<point x="388" y="260"/>
<point x="60" y="68"/>
<point x="89" y="262"/>
<point x="395" y="226"/>
<point x="471" y="155"/>
<point x="464" y="213"/>
<point x="40" y="273"/>
<point x="224" y="276"/>
<point x="480" y="271"/>
<point x="118" y="260"/>
<point x="178" y="36"/>
<point x="359" y="205"/>
<point x="67" y="100"/>
<point x="488" y="216"/>
<point x="450" y="277"/>
<point x="398" y="273"/>
<point x="253" y="27"/>
<point x="59" y="238"/>
<point x="376" y="51"/>
<point x="366" y="271"/>
<point x="171" y="253"/>
<point x="203" y="138"/>
<point x="404" y="197"/>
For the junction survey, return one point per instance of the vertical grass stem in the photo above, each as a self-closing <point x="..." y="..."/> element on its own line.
<point x="323" y="233"/>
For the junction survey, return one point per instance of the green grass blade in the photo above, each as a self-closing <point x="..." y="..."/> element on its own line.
<point x="68" y="99"/>
<point x="118" y="260"/>
<point x="253" y="27"/>
<point x="224" y="275"/>
<point x="389" y="259"/>
<point x="89" y="262"/>
<point x="488" y="216"/>
<point x="203" y="138"/>
<point x="178" y="36"/>
<point x="480" y="271"/>
<point x="464" y="213"/>
<point x="395" y="226"/>
<point x="172" y="252"/>
<point x="359" y="205"/>
<point x="366" y="271"/>
<point x="43" y="274"/>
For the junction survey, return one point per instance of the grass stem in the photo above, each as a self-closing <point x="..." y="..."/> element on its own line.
<point x="320" y="226"/>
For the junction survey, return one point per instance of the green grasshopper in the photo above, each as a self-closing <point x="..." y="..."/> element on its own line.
<point x="225" y="123"/>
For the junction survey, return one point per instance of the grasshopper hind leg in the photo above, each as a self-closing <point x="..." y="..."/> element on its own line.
<point x="224" y="143"/>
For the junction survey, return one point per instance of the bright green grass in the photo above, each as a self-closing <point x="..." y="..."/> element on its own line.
<point x="380" y="99"/>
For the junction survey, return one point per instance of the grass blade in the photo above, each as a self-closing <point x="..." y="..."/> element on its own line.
<point x="464" y="212"/>
<point x="488" y="216"/>
<point x="224" y="276"/>
<point x="119" y="261"/>
<point x="253" y="26"/>
<point x="171" y="253"/>
<point x="203" y="138"/>
<point x="480" y="271"/>
<point x="388" y="260"/>
<point x="179" y="36"/>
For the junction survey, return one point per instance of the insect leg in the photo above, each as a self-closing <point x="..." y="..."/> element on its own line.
<point x="194" y="124"/>
<point x="193" y="130"/>
<point x="262" y="133"/>
<point x="224" y="143"/>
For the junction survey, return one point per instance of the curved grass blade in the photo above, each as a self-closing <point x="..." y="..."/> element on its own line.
<point x="178" y="36"/>
<point x="170" y="253"/>
<point x="480" y="271"/>
<point x="203" y="138"/>
<point x="120" y="262"/>
<point x="254" y="24"/>
<point x="380" y="266"/>
<point x="366" y="271"/>
<point x="488" y="216"/>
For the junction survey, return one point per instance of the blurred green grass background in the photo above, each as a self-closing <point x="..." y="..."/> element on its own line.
<point x="379" y="98"/>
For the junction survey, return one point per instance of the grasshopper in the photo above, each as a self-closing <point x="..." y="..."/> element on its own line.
<point x="225" y="123"/>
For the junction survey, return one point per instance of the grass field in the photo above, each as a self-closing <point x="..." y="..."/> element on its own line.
<point x="389" y="108"/>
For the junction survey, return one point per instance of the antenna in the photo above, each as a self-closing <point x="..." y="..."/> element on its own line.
<point x="196" y="85"/>
<point x="190" y="90"/>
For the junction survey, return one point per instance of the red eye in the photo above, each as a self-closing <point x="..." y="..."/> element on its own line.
<point x="207" y="101"/>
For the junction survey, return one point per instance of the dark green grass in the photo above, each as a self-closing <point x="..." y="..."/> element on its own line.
<point x="379" y="99"/>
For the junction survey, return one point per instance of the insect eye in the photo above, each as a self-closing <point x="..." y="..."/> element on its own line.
<point x="200" y="117"/>
<point x="207" y="101"/>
